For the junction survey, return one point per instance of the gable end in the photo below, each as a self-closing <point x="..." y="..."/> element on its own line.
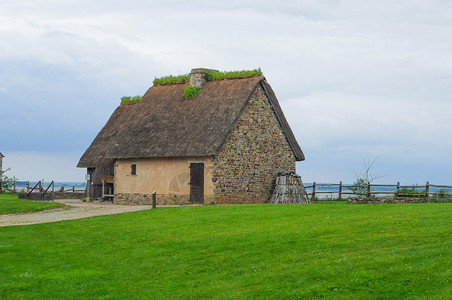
<point x="299" y="156"/>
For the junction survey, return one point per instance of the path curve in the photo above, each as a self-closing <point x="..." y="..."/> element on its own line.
<point x="77" y="210"/>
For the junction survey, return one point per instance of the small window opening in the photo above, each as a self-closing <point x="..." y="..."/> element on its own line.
<point x="134" y="169"/>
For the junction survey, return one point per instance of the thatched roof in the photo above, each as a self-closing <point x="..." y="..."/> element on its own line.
<point x="165" y="124"/>
<point x="94" y="156"/>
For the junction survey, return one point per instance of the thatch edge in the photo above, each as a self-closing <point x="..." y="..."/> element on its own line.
<point x="239" y="115"/>
<point x="290" y="137"/>
<point x="296" y="149"/>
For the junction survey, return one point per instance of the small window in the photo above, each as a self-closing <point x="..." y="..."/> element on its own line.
<point x="134" y="169"/>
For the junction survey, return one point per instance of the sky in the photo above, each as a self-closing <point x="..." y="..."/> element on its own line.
<point x="357" y="80"/>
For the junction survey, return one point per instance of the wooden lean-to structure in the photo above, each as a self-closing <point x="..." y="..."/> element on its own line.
<point x="289" y="189"/>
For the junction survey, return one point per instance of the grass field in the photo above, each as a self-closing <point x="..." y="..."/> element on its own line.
<point x="333" y="250"/>
<point x="10" y="204"/>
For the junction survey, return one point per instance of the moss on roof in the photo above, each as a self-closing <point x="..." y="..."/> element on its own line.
<point x="171" y="79"/>
<point x="130" y="100"/>
<point x="216" y="75"/>
<point x="210" y="76"/>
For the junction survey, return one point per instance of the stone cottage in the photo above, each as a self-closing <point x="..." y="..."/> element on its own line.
<point x="225" y="145"/>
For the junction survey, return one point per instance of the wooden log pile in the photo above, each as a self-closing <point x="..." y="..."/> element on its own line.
<point x="289" y="189"/>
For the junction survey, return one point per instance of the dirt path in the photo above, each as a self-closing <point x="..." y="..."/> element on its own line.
<point x="77" y="210"/>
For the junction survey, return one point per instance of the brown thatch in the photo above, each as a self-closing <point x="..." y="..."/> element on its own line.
<point x="282" y="120"/>
<point x="94" y="156"/>
<point x="165" y="124"/>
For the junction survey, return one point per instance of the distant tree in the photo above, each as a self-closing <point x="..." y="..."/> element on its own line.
<point x="6" y="182"/>
<point x="365" y="178"/>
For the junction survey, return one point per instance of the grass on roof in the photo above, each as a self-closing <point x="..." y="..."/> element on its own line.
<point x="128" y="99"/>
<point x="281" y="251"/>
<point x="215" y="75"/>
<point x="191" y="91"/>
<point x="171" y="79"/>
<point x="212" y="75"/>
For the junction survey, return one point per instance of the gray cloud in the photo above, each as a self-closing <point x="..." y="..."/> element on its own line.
<point x="64" y="66"/>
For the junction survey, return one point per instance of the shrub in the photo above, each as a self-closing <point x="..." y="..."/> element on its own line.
<point x="128" y="99"/>
<point x="191" y="91"/>
<point x="171" y="79"/>
<point x="215" y="75"/>
<point x="442" y="193"/>
<point x="411" y="192"/>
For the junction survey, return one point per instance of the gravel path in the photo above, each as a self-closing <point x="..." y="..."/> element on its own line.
<point x="77" y="210"/>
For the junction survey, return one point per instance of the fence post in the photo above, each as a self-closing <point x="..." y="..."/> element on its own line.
<point x="73" y="188"/>
<point x="368" y="190"/>
<point x="154" y="199"/>
<point x="398" y="189"/>
<point x="340" y="190"/>
<point x="313" y="191"/>
<point x="427" y="189"/>
<point x="14" y="188"/>
<point x="28" y="186"/>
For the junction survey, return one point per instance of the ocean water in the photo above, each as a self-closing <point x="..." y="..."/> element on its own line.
<point x="330" y="189"/>
<point x="58" y="185"/>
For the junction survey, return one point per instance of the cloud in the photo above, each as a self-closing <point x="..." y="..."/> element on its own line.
<point x="356" y="79"/>
<point x="35" y="166"/>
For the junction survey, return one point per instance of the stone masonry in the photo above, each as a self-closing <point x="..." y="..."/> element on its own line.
<point x="255" y="152"/>
<point x="198" y="77"/>
<point x="245" y="169"/>
<point x="146" y="199"/>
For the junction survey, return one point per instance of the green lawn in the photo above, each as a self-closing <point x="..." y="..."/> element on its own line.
<point x="10" y="204"/>
<point x="333" y="250"/>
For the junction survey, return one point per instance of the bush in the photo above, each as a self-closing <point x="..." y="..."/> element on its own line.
<point x="215" y="75"/>
<point x="191" y="91"/>
<point x="411" y="192"/>
<point x="128" y="99"/>
<point x="171" y="79"/>
<point x="7" y="182"/>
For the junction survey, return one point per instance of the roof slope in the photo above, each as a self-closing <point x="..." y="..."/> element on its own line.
<point x="94" y="156"/>
<point x="165" y="124"/>
<point x="282" y="120"/>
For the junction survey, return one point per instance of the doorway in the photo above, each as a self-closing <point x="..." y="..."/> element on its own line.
<point x="197" y="183"/>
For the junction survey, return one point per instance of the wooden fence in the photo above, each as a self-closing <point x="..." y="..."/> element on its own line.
<point x="366" y="190"/>
<point x="27" y="188"/>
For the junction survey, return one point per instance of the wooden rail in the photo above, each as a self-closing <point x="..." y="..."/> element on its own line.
<point x="38" y="188"/>
<point x="366" y="190"/>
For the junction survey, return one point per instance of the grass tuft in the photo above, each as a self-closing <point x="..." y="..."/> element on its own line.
<point x="171" y="79"/>
<point x="217" y="75"/>
<point x="130" y="100"/>
<point x="191" y="91"/>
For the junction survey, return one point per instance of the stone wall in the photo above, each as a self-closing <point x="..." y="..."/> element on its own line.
<point x="146" y="199"/>
<point x="69" y="195"/>
<point x="52" y="196"/>
<point x="378" y="200"/>
<point x="255" y="152"/>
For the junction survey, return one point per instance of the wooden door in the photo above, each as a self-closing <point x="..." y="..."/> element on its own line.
<point x="197" y="183"/>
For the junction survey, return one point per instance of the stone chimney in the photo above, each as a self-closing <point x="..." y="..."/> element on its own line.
<point x="198" y="77"/>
